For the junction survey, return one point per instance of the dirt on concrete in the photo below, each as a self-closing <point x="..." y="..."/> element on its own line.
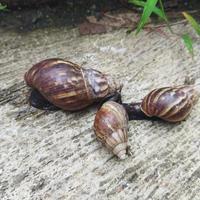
<point x="24" y="16"/>
<point x="54" y="14"/>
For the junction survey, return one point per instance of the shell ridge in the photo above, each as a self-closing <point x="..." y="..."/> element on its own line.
<point x="160" y="94"/>
<point x="180" y="99"/>
<point x="177" y="107"/>
<point x="115" y="107"/>
<point x="147" y="109"/>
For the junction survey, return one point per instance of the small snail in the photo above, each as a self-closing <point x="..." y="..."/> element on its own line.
<point x="111" y="126"/>
<point x="62" y="84"/>
<point x="171" y="104"/>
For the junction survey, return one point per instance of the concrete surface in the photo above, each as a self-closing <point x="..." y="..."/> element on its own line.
<point x="55" y="155"/>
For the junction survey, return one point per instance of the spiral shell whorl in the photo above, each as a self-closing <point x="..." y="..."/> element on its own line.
<point x="170" y="103"/>
<point x="31" y="75"/>
<point x="60" y="82"/>
<point x="67" y="85"/>
<point x="97" y="83"/>
<point x="110" y="126"/>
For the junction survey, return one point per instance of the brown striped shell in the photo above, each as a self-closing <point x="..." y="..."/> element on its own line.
<point x="111" y="126"/>
<point x="67" y="85"/>
<point x="172" y="104"/>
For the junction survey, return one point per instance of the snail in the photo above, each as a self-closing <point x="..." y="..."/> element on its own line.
<point x="172" y="104"/>
<point x="111" y="126"/>
<point x="59" y="84"/>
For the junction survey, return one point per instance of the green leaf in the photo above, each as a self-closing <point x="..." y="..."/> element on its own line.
<point x="188" y="43"/>
<point x="148" y="9"/>
<point x="3" y="7"/>
<point x="156" y="10"/>
<point x="192" y="22"/>
<point x="166" y="19"/>
<point x="162" y="10"/>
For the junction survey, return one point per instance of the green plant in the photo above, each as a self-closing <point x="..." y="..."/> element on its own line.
<point x="3" y="7"/>
<point x="150" y="6"/>
<point x="192" y="22"/>
<point x="188" y="43"/>
<point x="155" y="10"/>
<point x="148" y="9"/>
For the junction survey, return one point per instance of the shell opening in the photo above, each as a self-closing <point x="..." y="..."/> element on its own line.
<point x="120" y="150"/>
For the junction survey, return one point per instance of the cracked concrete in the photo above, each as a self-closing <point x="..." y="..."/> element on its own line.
<point x="55" y="155"/>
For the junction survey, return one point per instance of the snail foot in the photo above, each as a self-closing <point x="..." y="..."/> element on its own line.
<point x="38" y="101"/>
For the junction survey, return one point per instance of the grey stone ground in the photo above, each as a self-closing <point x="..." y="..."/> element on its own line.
<point x="54" y="155"/>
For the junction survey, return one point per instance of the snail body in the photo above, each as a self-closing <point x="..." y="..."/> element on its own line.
<point x="69" y="86"/>
<point x="171" y="104"/>
<point x="111" y="126"/>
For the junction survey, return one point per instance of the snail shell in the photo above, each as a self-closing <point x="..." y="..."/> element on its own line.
<point x="69" y="86"/>
<point x="111" y="126"/>
<point x="172" y="104"/>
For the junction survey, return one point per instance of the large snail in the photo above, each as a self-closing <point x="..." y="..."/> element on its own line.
<point x="62" y="84"/>
<point x="171" y="104"/>
<point x="111" y="126"/>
